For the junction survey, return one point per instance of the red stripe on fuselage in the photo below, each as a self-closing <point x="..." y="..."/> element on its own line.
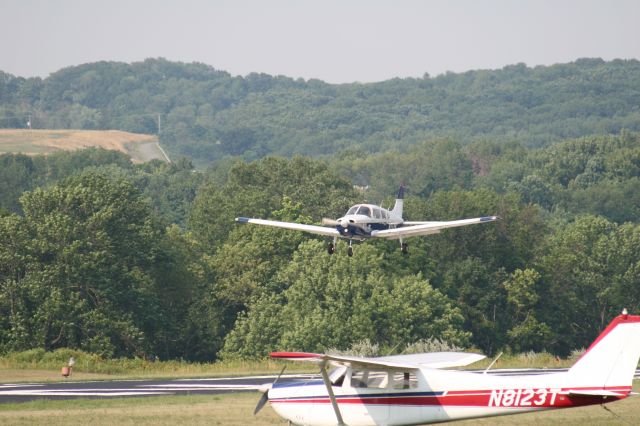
<point x="502" y="398"/>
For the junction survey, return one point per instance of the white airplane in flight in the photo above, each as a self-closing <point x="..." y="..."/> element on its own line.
<point x="414" y="389"/>
<point x="364" y="221"/>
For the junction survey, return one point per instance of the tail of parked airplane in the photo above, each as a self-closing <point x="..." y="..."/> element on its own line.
<point x="398" y="206"/>
<point x="612" y="359"/>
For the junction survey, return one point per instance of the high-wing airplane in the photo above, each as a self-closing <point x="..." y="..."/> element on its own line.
<point x="364" y="221"/>
<point x="414" y="389"/>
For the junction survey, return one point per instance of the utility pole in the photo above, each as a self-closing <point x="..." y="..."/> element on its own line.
<point x="159" y="124"/>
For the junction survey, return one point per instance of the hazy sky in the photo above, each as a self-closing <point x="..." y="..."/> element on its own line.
<point x="333" y="40"/>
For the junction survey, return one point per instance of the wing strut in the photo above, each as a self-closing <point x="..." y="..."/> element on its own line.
<point x="332" y="397"/>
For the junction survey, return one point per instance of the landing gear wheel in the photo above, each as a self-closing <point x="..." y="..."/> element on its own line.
<point x="404" y="248"/>
<point x="331" y="248"/>
<point x="350" y="251"/>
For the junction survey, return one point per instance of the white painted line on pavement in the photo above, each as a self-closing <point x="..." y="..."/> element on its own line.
<point x="60" y="392"/>
<point x="204" y="387"/>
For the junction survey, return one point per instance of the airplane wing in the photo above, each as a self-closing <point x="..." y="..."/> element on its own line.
<point x="427" y="228"/>
<point x="343" y="360"/>
<point x="438" y="359"/>
<point x="404" y="362"/>
<point x="314" y="229"/>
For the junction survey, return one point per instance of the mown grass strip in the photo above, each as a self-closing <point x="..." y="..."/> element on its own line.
<point x="38" y="365"/>
<point x="228" y="410"/>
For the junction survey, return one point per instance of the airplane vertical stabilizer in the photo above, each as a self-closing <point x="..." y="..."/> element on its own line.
<point x="396" y="212"/>
<point x="612" y="358"/>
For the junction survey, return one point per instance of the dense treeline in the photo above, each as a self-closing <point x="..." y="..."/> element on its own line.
<point x="171" y="188"/>
<point x="120" y="259"/>
<point x="207" y="114"/>
<point x="594" y="174"/>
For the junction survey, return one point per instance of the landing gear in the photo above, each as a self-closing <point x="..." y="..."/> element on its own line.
<point x="404" y="248"/>
<point x="350" y="250"/>
<point x="331" y="248"/>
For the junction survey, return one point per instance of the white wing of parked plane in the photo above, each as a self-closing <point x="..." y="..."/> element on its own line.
<point x="314" y="229"/>
<point x="427" y="228"/>
<point x="437" y="359"/>
<point x="405" y="362"/>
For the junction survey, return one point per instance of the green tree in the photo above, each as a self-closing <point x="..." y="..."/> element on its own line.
<point x="527" y="333"/>
<point x="244" y="267"/>
<point x="93" y="270"/>
<point x="257" y="189"/>
<point x="575" y="300"/>
<point x="334" y="301"/>
<point x="16" y="176"/>
<point x="15" y="321"/>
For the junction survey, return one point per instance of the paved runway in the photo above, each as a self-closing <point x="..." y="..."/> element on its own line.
<point x="132" y="388"/>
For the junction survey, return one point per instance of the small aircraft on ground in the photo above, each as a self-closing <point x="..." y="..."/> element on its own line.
<point x="364" y="221"/>
<point x="413" y="389"/>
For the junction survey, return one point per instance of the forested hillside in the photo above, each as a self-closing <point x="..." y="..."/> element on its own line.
<point x="120" y="259"/>
<point x="207" y="114"/>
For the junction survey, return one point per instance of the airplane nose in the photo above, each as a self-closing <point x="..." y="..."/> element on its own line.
<point x="344" y="223"/>
<point x="265" y="392"/>
<point x="265" y="388"/>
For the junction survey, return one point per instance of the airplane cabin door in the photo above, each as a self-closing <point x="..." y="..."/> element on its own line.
<point x="370" y="390"/>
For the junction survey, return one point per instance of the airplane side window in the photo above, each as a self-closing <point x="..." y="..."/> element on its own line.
<point x="404" y="380"/>
<point x="376" y="213"/>
<point x="369" y="379"/>
<point x="364" y="211"/>
<point x="337" y="375"/>
<point x="378" y="379"/>
<point x="358" y="379"/>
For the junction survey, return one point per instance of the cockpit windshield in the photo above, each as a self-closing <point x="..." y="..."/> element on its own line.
<point x="353" y="210"/>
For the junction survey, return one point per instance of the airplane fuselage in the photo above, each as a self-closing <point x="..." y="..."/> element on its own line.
<point x="445" y="396"/>
<point x="361" y="219"/>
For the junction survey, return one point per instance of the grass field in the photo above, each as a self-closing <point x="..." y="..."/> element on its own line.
<point x="140" y="147"/>
<point x="40" y="365"/>
<point x="228" y="410"/>
<point x="237" y="410"/>
<point x="36" y="365"/>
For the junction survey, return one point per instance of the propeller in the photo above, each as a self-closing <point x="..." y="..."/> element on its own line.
<point x="265" y="393"/>
<point x="329" y="222"/>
